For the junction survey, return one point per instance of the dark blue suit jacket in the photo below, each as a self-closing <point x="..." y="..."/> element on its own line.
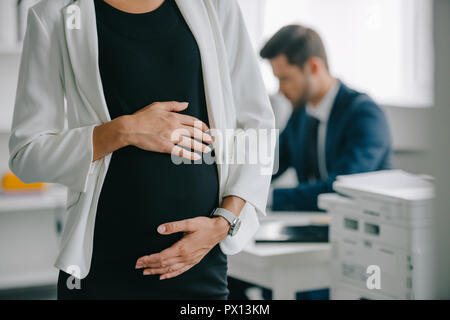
<point x="357" y="140"/>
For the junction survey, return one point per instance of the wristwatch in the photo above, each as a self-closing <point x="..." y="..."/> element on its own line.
<point x="234" y="221"/>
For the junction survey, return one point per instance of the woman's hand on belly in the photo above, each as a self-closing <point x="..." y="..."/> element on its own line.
<point x="157" y="127"/>
<point x="201" y="234"/>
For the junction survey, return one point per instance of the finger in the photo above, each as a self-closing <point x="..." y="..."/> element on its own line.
<point x="194" y="144"/>
<point x="174" y="105"/>
<point x="180" y="251"/>
<point x="186" y="131"/>
<point x="181" y="152"/>
<point x="169" y="269"/>
<point x="160" y="262"/>
<point x="186" y="225"/>
<point x="161" y="258"/>
<point x="192" y="122"/>
<point x="197" y="134"/>
<point x="157" y="259"/>
<point x="176" y="273"/>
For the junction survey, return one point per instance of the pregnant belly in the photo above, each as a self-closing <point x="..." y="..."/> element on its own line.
<point x="144" y="189"/>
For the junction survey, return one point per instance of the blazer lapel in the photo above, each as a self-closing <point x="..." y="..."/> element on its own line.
<point x="196" y="16"/>
<point x="334" y="124"/>
<point x="82" y="45"/>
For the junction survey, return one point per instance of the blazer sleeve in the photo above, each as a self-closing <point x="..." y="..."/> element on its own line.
<point x="39" y="148"/>
<point x="254" y="112"/>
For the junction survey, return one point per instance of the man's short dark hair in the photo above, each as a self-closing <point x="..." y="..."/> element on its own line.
<point x="297" y="43"/>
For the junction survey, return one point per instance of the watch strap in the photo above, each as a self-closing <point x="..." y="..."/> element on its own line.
<point x="228" y="215"/>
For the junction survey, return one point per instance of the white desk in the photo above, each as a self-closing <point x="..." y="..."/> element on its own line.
<point x="284" y="267"/>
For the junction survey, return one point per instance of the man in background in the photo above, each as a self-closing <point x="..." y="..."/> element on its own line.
<point x="333" y="129"/>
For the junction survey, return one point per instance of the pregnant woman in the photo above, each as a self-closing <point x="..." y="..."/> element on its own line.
<point x="152" y="79"/>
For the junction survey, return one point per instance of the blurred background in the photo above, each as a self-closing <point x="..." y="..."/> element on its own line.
<point x="397" y="51"/>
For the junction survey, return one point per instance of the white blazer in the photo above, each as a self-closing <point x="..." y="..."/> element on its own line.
<point x="60" y="64"/>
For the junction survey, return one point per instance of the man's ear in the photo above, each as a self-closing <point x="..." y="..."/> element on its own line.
<point x="315" y="65"/>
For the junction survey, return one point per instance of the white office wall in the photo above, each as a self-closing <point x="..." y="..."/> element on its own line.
<point x="382" y="47"/>
<point x="253" y="12"/>
<point x="440" y="156"/>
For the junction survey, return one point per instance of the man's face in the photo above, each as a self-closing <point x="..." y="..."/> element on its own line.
<point x="294" y="83"/>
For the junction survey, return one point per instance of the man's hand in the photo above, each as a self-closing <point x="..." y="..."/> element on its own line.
<point x="201" y="234"/>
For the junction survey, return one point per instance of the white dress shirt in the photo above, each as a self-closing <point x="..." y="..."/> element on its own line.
<point x="322" y="112"/>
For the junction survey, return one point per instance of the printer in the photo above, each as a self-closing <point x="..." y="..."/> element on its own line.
<point x="381" y="235"/>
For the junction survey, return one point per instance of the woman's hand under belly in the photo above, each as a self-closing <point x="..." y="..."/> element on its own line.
<point x="200" y="235"/>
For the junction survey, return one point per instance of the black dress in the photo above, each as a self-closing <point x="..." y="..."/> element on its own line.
<point x="146" y="58"/>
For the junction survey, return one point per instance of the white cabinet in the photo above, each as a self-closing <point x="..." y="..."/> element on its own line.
<point x="29" y="237"/>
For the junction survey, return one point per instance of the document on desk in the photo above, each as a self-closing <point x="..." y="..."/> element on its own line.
<point x="293" y="228"/>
